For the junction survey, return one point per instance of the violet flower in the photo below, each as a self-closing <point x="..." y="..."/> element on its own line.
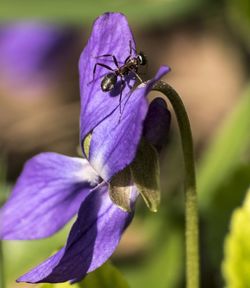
<point x="30" y="52"/>
<point x="53" y="188"/>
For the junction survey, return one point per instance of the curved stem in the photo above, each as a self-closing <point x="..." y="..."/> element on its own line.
<point x="191" y="207"/>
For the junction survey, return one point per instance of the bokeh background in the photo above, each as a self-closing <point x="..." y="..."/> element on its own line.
<point x="207" y="45"/>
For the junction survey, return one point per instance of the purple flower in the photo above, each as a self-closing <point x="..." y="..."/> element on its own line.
<point x="29" y="52"/>
<point x="53" y="188"/>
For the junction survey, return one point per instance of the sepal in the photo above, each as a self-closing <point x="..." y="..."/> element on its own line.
<point x="146" y="174"/>
<point x="120" y="189"/>
<point x="86" y="145"/>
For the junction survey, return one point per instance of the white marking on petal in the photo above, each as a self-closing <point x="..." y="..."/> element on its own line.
<point x="87" y="173"/>
<point x="98" y="163"/>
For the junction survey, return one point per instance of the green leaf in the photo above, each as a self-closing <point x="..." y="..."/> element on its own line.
<point x="106" y="276"/>
<point x="228" y="151"/>
<point x="146" y="174"/>
<point x="225" y="200"/>
<point x="236" y="265"/>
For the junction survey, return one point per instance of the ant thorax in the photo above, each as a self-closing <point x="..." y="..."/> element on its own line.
<point x="131" y="65"/>
<point x="132" y="61"/>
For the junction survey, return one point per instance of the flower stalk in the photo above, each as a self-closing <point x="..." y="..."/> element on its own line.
<point x="2" y="285"/>
<point x="191" y="207"/>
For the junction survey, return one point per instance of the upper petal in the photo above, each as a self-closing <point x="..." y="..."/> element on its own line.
<point x="114" y="141"/>
<point x="110" y="35"/>
<point x="46" y="196"/>
<point x="92" y="240"/>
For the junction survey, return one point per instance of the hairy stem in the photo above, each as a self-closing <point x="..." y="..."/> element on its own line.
<point x="191" y="207"/>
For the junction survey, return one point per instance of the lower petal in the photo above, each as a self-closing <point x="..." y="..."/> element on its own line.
<point x="92" y="240"/>
<point x="46" y="196"/>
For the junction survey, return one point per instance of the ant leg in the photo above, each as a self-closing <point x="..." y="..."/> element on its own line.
<point x="136" y="75"/>
<point x="102" y="65"/>
<point x="123" y="84"/>
<point x="110" y="55"/>
<point x="126" y="60"/>
<point x="116" y="62"/>
<point x="131" y="48"/>
<point x="126" y="101"/>
<point x="104" y="55"/>
<point x="130" y="51"/>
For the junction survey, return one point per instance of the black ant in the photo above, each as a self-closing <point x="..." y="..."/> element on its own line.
<point x="131" y="65"/>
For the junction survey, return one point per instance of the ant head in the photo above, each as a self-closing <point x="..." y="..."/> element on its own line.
<point x="108" y="82"/>
<point x="142" y="58"/>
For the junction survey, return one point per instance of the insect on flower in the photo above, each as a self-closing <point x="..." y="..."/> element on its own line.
<point x="130" y="65"/>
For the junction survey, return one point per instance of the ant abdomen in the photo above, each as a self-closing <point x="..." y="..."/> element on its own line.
<point x="108" y="82"/>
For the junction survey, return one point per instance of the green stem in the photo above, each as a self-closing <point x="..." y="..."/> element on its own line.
<point x="191" y="207"/>
<point x="2" y="181"/>
<point x="1" y="267"/>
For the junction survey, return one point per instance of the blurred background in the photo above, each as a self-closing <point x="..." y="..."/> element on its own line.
<point x="207" y="45"/>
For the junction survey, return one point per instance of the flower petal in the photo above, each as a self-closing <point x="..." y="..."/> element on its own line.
<point x="115" y="140"/>
<point x="110" y="35"/>
<point x="93" y="238"/>
<point x="157" y="123"/>
<point x="27" y="49"/>
<point x="46" y="196"/>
